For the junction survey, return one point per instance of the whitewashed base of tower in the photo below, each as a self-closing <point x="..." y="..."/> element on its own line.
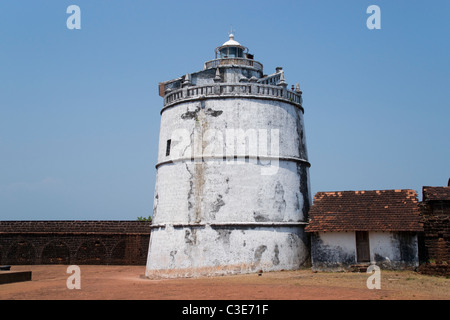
<point x="217" y="250"/>
<point x="222" y="231"/>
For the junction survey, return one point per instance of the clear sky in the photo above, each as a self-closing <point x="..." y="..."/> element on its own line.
<point x="79" y="109"/>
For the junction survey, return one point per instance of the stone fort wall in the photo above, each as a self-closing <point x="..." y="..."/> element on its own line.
<point x="74" y="242"/>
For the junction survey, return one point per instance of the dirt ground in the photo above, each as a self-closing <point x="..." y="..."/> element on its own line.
<point x="128" y="283"/>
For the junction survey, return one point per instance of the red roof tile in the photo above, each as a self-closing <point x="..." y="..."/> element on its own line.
<point x="375" y="210"/>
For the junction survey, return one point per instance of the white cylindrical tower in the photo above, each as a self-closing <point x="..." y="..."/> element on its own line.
<point x="232" y="187"/>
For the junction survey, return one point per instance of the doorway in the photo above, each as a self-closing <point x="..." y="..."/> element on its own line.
<point x="362" y="246"/>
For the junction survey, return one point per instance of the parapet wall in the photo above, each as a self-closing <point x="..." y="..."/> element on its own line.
<point x="74" y="242"/>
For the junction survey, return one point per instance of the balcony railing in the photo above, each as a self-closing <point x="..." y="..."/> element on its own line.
<point x="232" y="90"/>
<point x="233" y="61"/>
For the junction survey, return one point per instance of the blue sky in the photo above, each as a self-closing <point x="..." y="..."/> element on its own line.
<point x="79" y="109"/>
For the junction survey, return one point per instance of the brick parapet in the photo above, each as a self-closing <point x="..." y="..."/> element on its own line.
<point x="73" y="226"/>
<point x="74" y="242"/>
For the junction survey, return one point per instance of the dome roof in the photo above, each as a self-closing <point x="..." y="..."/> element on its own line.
<point x="231" y="42"/>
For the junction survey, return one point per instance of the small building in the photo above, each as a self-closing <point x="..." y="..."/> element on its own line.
<point x="352" y="228"/>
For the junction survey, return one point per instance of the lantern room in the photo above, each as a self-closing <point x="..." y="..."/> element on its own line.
<point x="231" y="49"/>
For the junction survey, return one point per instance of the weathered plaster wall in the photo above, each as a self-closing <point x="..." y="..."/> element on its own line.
<point x="213" y="250"/>
<point x="336" y="251"/>
<point x="333" y="250"/>
<point x="213" y="119"/>
<point x="228" y="74"/>
<point x="206" y="192"/>
<point x="394" y="250"/>
<point x="382" y="247"/>
<point x="232" y="212"/>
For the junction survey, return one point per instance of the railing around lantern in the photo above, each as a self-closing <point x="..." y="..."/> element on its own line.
<point x="234" y="61"/>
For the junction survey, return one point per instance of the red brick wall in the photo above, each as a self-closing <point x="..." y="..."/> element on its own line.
<point x="435" y="269"/>
<point x="436" y="238"/>
<point x="436" y="218"/>
<point x="74" y="242"/>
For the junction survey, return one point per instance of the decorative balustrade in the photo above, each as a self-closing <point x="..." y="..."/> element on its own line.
<point x="232" y="89"/>
<point x="234" y="61"/>
<point x="273" y="79"/>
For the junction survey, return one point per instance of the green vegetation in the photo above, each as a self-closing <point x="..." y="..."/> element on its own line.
<point x="144" y="218"/>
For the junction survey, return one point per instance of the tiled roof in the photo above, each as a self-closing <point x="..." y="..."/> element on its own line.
<point x="377" y="210"/>
<point x="436" y="193"/>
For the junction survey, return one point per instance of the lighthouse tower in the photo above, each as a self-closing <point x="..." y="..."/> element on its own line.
<point x="232" y="187"/>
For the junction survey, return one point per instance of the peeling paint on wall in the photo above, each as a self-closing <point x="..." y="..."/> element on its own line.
<point x="332" y="252"/>
<point x="336" y="251"/>
<point x="194" y="114"/>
